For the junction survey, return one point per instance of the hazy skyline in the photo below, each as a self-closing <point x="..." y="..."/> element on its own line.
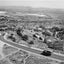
<point x="34" y="3"/>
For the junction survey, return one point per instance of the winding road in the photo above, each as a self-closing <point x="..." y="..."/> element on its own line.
<point x="53" y="56"/>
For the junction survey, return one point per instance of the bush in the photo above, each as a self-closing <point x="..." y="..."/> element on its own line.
<point x="31" y="42"/>
<point x="46" y="33"/>
<point x="25" y="37"/>
<point x="12" y="38"/>
<point x="18" y="31"/>
<point x="54" y="29"/>
<point x="60" y="35"/>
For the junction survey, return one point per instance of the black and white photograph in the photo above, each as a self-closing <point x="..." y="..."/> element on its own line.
<point x="31" y="31"/>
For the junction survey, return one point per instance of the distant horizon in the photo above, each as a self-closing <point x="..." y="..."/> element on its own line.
<point x="56" y="4"/>
<point x="33" y="7"/>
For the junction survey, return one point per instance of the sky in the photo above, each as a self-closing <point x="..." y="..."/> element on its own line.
<point x="34" y="3"/>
